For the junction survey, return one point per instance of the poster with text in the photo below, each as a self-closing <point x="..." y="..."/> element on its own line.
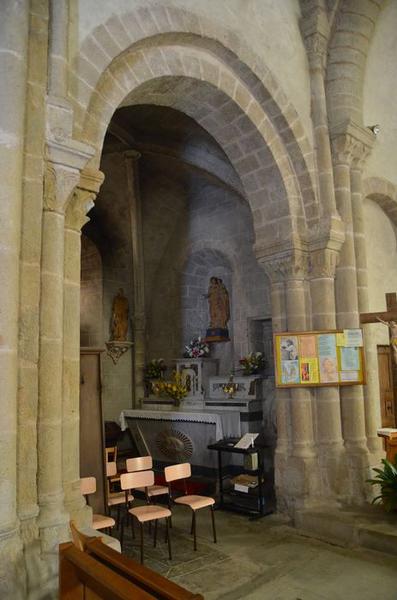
<point x="290" y="372"/>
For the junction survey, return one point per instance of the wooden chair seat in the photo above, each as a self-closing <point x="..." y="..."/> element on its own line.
<point x="102" y="521"/>
<point x="150" y="512"/>
<point x="195" y="502"/>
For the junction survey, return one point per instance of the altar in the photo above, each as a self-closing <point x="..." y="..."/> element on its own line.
<point x="180" y="435"/>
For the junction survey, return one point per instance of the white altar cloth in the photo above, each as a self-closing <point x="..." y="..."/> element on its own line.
<point x="227" y="424"/>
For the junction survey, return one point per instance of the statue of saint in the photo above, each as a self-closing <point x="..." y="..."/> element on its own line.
<point x="219" y="307"/>
<point x="392" y="325"/>
<point x="119" y="323"/>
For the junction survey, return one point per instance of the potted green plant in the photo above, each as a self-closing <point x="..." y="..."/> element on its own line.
<point x="386" y="478"/>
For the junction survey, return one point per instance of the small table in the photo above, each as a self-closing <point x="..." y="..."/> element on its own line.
<point x="228" y="445"/>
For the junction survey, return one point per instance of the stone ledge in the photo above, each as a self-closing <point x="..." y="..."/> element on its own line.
<point x="367" y="527"/>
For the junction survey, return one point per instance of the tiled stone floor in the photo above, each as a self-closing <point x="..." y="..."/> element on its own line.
<point x="265" y="560"/>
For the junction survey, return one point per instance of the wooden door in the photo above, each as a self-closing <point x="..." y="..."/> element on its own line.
<point x="92" y="450"/>
<point x="386" y="386"/>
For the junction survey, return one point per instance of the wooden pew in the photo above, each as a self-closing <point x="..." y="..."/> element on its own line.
<point x="98" y="572"/>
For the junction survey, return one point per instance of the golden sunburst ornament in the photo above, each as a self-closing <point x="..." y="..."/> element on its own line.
<point x="174" y="444"/>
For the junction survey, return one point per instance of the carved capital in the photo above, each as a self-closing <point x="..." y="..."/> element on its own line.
<point x="80" y="204"/>
<point x="323" y="263"/>
<point x="82" y="199"/>
<point x="59" y="184"/>
<point x="351" y="144"/>
<point x="315" y="32"/>
<point x="292" y="265"/>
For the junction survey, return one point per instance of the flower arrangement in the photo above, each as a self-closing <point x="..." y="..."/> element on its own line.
<point x="155" y="368"/>
<point x="196" y="349"/>
<point x="253" y="363"/>
<point x="173" y="389"/>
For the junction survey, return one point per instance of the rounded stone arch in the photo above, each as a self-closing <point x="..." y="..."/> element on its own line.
<point x="105" y="72"/>
<point x="262" y="160"/>
<point x="145" y="26"/>
<point x="353" y="28"/>
<point x="383" y="193"/>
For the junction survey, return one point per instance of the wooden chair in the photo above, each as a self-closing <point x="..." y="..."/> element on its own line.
<point x="194" y="502"/>
<point x="87" y="487"/>
<point x="111" y="454"/>
<point x="145" y="463"/>
<point x="148" y="512"/>
<point x="117" y="499"/>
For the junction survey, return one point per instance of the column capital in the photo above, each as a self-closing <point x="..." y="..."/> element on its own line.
<point x="323" y="263"/>
<point x="315" y="31"/>
<point x="82" y="199"/>
<point x="286" y="266"/>
<point x="65" y="161"/>
<point x="351" y="144"/>
<point x="59" y="183"/>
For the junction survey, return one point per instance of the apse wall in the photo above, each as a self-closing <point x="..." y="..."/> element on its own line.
<point x="109" y="228"/>
<point x="193" y="231"/>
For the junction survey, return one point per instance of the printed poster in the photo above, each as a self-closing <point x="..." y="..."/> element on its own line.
<point x="307" y="346"/>
<point x="327" y="345"/>
<point x="289" y="348"/>
<point x="309" y="370"/>
<point x="349" y="359"/>
<point x="353" y="337"/>
<point x="290" y="372"/>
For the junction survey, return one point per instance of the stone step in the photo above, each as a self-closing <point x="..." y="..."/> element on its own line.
<point x="369" y="527"/>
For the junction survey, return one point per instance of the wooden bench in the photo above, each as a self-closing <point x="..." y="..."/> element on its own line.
<point x="97" y="571"/>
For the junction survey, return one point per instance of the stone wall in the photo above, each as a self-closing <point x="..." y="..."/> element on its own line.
<point x="193" y="232"/>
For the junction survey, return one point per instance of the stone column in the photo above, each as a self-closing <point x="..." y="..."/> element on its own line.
<point x="297" y="475"/>
<point x="371" y="389"/>
<point x="76" y="216"/>
<point x="302" y="466"/>
<point x="316" y="31"/>
<point x="327" y="407"/>
<point x="282" y="395"/>
<point x="13" y="59"/>
<point x="62" y="175"/>
<point x="139" y="316"/>
<point x="352" y="397"/>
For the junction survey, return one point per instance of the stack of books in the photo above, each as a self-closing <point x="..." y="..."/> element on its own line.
<point x="244" y="482"/>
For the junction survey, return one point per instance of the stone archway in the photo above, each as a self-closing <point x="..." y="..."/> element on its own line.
<point x="265" y="143"/>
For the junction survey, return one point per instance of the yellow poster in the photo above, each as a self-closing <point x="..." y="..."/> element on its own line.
<point x="309" y="370"/>
<point x="340" y="339"/>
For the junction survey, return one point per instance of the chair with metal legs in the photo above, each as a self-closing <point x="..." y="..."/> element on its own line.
<point x="87" y="487"/>
<point x="116" y="499"/>
<point x="145" y="463"/>
<point x="194" y="502"/>
<point x="148" y="512"/>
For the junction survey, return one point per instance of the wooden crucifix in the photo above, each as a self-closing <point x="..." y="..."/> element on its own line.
<point x="389" y="318"/>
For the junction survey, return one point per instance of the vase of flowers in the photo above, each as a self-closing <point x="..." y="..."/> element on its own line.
<point x="196" y="348"/>
<point x="253" y="363"/>
<point x="155" y="368"/>
<point x="174" y="388"/>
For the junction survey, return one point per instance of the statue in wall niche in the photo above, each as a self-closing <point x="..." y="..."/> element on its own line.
<point x="219" y="311"/>
<point x="119" y="322"/>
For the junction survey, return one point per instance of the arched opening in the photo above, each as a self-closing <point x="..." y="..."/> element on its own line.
<point x="246" y="154"/>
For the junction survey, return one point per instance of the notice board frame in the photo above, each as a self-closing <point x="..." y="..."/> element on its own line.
<point x="361" y="380"/>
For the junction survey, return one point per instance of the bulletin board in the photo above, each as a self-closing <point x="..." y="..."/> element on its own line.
<point x="319" y="358"/>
